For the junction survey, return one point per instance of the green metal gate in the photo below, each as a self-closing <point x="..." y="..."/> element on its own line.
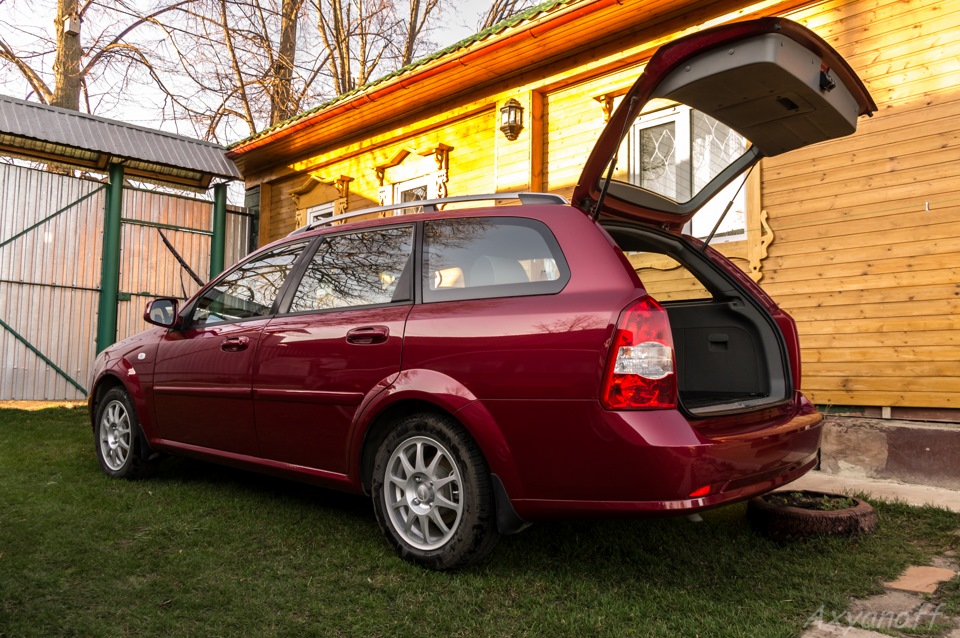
<point x="78" y="259"/>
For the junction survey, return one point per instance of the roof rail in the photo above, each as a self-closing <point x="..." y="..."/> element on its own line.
<point x="430" y="205"/>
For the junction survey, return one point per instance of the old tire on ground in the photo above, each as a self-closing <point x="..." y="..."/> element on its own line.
<point x="787" y="523"/>
<point x="432" y="493"/>
<point x="118" y="438"/>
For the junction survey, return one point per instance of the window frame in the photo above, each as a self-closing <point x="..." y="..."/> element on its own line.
<point x="320" y="211"/>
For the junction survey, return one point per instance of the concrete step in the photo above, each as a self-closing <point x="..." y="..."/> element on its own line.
<point x="911" y="494"/>
<point x="905" y="451"/>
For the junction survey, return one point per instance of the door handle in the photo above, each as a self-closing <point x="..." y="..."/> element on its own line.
<point x="234" y="344"/>
<point x="368" y="335"/>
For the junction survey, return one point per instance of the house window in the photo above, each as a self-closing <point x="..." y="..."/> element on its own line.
<point x="413" y="190"/>
<point x="320" y="212"/>
<point x="675" y="152"/>
<point x="413" y="176"/>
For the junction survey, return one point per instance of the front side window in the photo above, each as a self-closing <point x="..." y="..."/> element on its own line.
<point x="474" y="258"/>
<point x="249" y="290"/>
<point x="357" y="269"/>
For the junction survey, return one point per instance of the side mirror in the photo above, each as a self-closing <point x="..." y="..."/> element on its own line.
<point x="161" y="312"/>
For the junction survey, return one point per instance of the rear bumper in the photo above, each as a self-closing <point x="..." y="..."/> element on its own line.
<point x="533" y="509"/>
<point x="657" y="463"/>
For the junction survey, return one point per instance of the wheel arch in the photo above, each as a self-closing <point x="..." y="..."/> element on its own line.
<point x="109" y="380"/>
<point x="103" y="385"/>
<point x="429" y="391"/>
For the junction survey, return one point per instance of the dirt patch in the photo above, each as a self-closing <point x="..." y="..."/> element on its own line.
<point x="40" y="405"/>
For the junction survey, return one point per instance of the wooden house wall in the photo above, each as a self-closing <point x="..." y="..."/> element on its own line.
<point x="867" y="228"/>
<point x="867" y="250"/>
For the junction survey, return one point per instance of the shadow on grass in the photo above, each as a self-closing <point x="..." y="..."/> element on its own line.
<point x="183" y="471"/>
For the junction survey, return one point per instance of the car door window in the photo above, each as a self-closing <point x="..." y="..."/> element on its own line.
<point x="249" y="290"/>
<point x="357" y="269"/>
<point x="473" y="258"/>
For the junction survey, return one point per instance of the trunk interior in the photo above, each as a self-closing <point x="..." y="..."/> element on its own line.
<point x="730" y="355"/>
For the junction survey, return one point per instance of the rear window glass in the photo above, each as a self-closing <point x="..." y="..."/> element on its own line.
<point x="676" y="152"/>
<point x="475" y="258"/>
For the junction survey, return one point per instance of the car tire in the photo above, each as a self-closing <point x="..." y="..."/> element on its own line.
<point x="432" y="493"/>
<point x="118" y="438"/>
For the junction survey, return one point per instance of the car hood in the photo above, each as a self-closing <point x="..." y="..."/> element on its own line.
<point x="709" y="106"/>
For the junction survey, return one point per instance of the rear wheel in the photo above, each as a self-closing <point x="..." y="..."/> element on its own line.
<point x="118" y="437"/>
<point x="432" y="493"/>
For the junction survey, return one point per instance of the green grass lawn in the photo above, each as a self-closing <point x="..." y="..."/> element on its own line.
<point x="202" y="550"/>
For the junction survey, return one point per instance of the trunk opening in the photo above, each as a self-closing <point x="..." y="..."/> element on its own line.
<point x="730" y="354"/>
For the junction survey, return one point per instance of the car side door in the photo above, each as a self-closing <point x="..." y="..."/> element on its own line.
<point x="203" y="397"/>
<point x="339" y="339"/>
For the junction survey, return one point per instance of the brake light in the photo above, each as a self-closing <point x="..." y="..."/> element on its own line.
<point x="640" y="369"/>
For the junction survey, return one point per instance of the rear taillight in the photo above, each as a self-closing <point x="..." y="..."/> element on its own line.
<point x="640" y="370"/>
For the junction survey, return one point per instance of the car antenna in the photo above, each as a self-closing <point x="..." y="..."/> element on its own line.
<point x="726" y="210"/>
<point x="613" y="161"/>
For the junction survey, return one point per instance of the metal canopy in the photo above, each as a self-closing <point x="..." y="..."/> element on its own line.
<point x="47" y="133"/>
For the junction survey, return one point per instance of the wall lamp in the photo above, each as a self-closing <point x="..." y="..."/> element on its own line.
<point x="511" y="119"/>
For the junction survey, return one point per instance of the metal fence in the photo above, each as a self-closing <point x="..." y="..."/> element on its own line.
<point x="51" y="229"/>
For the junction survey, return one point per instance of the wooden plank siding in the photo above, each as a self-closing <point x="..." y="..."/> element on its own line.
<point x="866" y="228"/>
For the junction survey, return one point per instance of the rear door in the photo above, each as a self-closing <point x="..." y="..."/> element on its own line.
<point x="339" y="339"/>
<point x="708" y="107"/>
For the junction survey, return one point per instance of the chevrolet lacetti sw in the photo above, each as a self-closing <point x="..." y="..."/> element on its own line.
<point x="478" y="369"/>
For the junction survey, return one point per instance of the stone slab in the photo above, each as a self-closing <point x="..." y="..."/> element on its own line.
<point x="831" y="630"/>
<point x="891" y="602"/>
<point x="921" y="580"/>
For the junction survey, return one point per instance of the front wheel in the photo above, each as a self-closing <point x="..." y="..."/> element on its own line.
<point x="432" y="494"/>
<point x="118" y="438"/>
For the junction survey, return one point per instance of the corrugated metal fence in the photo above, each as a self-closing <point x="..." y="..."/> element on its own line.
<point x="51" y="229"/>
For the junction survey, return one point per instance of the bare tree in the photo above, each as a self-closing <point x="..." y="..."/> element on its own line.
<point x="417" y="21"/>
<point x="227" y="74"/>
<point x="356" y="35"/>
<point x="91" y="67"/>
<point x="221" y="69"/>
<point x="501" y="10"/>
<point x="366" y="37"/>
<point x="284" y="104"/>
<point x="66" y="65"/>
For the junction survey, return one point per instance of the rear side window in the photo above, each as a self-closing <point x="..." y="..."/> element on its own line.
<point x="475" y="258"/>
<point x="357" y="269"/>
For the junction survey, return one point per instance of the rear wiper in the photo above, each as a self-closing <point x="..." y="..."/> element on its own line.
<point x="726" y="210"/>
<point x="613" y="161"/>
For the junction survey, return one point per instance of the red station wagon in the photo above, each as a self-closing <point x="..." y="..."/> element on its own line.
<point x="478" y="369"/>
